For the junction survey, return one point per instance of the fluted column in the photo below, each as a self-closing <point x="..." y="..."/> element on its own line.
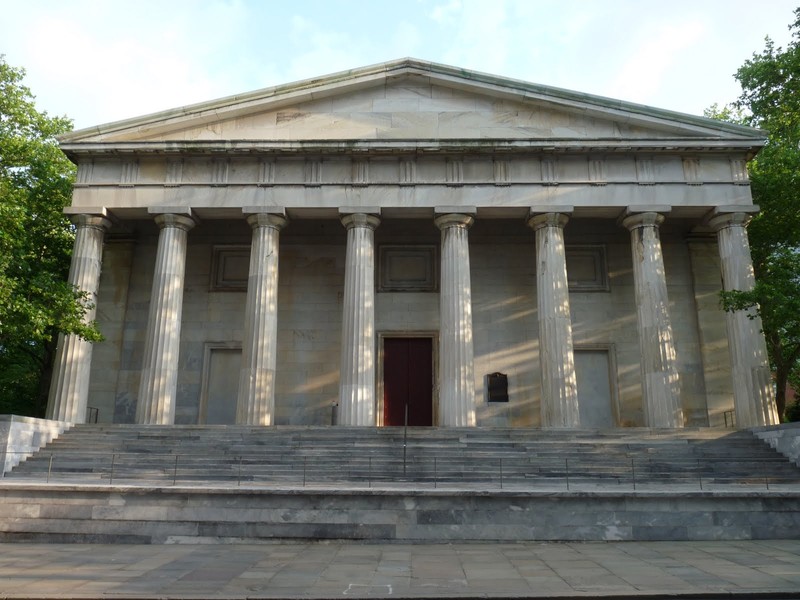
<point x="559" y="386"/>
<point x="69" y="386"/>
<point x="256" y="403"/>
<point x="660" y="383"/>
<point x="754" y="399"/>
<point x="357" y="377"/>
<point x="158" y="386"/>
<point x="457" y="381"/>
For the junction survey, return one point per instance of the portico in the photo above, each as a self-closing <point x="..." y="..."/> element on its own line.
<point x="258" y="249"/>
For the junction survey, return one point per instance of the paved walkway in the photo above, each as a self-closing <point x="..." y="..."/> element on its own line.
<point x="338" y="570"/>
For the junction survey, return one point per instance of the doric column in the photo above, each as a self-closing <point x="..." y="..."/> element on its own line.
<point x="661" y="394"/>
<point x="158" y="386"/>
<point x="753" y="396"/>
<point x="69" y="386"/>
<point x="357" y="377"/>
<point x="457" y="381"/>
<point x="559" y="386"/>
<point x="256" y="403"/>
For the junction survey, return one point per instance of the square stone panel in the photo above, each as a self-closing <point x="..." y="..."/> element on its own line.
<point x="230" y="266"/>
<point x="587" y="270"/>
<point x="407" y="268"/>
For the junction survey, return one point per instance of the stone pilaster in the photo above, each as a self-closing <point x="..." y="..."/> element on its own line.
<point x="158" y="385"/>
<point x="661" y="397"/>
<point x="457" y="381"/>
<point x="357" y="377"/>
<point x="559" y="385"/>
<point x="69" y="386"/>
<point x="753" y="396"/>
<point x="256" y="403"/>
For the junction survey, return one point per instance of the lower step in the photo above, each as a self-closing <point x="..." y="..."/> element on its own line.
<point x="164" y="515"/>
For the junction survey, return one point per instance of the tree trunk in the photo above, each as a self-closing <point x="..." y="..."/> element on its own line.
<point x="45" y="375"/>
<point x="781" y="381"/>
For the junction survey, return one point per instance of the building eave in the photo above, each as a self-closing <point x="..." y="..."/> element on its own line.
<point x="325" y="86"/>
<point x="78" y="151"/>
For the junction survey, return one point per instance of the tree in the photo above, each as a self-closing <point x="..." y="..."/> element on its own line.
<point x="36" y="302"/>
<point x="770" y="100"/>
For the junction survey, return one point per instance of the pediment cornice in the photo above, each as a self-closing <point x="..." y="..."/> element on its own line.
<point x="372" y="147"/>
<point x="667" y="124"/>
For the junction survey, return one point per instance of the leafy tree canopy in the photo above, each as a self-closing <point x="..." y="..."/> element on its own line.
<point x="770" y="99"/>
<point x="36" y="302"/>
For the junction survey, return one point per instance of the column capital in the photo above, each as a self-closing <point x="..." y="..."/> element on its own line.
<point x="642" y="219"/>
<point x="723" y="220"/>
<point x="274" y="220"/>
<point x="95" y="221"/>
<point x="351" y="220"/>
<point x="184" y="222"/>
<point x="549" y="219"/>
<point x="445" y="221"/>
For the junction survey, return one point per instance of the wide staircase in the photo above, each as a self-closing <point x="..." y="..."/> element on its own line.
<point x="155" y="484"/>
<point x="427" y="457"/>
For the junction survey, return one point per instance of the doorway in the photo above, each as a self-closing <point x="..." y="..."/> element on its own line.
<point x="596" y="398"/>
<point x="408" y="381"/>
<point x="218" y="394"/>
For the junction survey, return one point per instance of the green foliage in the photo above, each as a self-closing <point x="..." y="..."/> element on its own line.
<point x="36" y="302"/>
<point x="729" y="113"/>
<point x="770" y="100"/>
<point x="792" y="413"/>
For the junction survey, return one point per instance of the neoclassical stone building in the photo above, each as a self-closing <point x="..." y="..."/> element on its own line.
<point x="414" y="239"/>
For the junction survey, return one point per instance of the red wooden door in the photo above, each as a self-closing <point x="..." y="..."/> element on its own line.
<point x="408" y="380"/>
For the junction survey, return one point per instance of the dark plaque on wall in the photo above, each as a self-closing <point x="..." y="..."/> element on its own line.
<point x="498" y="387"/>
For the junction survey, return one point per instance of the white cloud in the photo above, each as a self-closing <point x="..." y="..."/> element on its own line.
<point x="446" y="13"/>
<point x="643" y="75"/>
<point x="406" y="41"/>
<point x="323" y="50"/>
<point x="98" y="60"/>
<point x="481" y="37"/>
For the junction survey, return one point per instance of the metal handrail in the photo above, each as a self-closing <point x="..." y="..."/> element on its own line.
<point x="436" y="470"/>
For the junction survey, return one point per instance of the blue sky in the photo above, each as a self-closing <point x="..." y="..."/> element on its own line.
<point x="102" y="60"/>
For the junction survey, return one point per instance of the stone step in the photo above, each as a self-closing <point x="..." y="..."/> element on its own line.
<point x="348" y="453"/>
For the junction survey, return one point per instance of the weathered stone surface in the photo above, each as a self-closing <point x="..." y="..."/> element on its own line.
<point x="753" y="394"/>
<point x="256" y="398"/>
<point x="357" y="377"/>
<point x="69" y="386"/>
<point x="660" y="380"/>
<point x="159" y="380"/>
<point x="457" y="389"/>
<point x="559" y="384"/>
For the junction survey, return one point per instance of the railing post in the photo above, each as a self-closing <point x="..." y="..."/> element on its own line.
<point x="566" y="471"/>
<point x="305" y="458"/>
<point x="369" y="473"/>
<point x="175" y="471"/>
<point x="633" y="474"/>
<point x="111" y="475"/>
<point x="405" y="437"/>
<point x="49" y="467"/>
<point x="700" y="474"/>
<point x="435" y="474"/>
<point x="501" y="473"/>
<point x="239" y="478"/>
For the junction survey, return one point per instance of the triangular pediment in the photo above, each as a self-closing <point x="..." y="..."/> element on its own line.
<point x="411" y="100"/>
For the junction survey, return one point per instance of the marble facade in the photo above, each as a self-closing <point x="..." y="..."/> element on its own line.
<point x="259" y="249"/>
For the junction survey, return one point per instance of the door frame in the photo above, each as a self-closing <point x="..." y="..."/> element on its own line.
<point x="613" y="383"/>
<point x="208" y="348"/>
<point x="379" y="386"/>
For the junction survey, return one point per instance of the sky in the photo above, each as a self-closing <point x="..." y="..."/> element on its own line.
<point x="98" y="61"/>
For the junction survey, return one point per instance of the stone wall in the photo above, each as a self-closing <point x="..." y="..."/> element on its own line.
<point x="311" y="277"/>
<point x="20" y="437"/>
<point x="102" y="514"/>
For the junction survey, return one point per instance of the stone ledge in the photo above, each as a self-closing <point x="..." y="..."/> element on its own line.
<point x="20" y="437"/>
